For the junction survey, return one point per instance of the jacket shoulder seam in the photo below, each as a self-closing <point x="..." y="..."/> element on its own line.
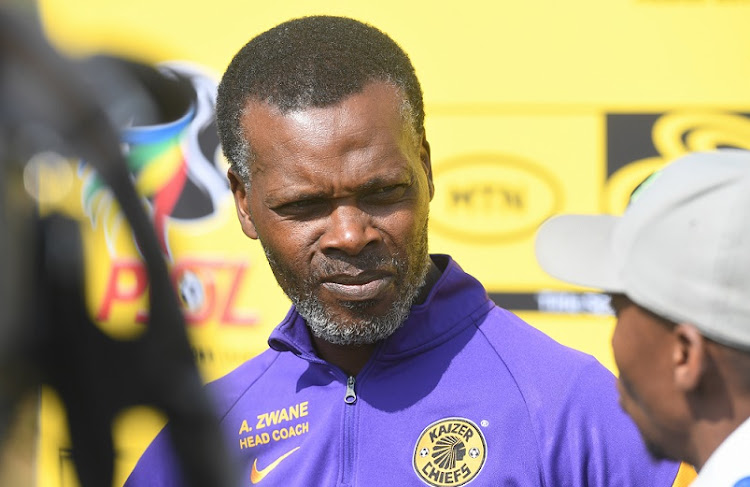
<point x="250" y="385"/>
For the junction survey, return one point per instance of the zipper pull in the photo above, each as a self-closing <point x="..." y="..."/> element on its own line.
<point x="351" y="396"/>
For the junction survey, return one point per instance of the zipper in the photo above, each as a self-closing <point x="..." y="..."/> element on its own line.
<point x="350" y="397"/>
<point x="349" y="438"/>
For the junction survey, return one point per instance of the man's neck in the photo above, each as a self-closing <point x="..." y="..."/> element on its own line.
<point x="349" y="358"/>
<point x="712" y="433"/>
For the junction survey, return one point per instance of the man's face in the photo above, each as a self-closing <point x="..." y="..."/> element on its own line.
<point x="643" y="347"/>
<point x="339" y="200"/>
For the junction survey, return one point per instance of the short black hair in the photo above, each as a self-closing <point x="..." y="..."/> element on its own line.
<point x="314" y="61"/>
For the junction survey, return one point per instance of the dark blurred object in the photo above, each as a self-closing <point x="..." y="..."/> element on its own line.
<point x="46" y="334"/>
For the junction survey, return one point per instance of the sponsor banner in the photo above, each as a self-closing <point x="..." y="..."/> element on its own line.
<point x="496" y="182"/>
<point x="526" y="118"/>
<point x="489" y="201"/>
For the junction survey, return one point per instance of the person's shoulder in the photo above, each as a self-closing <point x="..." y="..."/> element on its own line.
<point x="571" y="399"/>
<point x="227" y="390"/>
<point x="526" y="349"/>
<point x="548" y="374"/>
<point x="159" y="465"/>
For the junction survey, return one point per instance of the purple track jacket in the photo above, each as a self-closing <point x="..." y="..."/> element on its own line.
<point x="464" y="392"/>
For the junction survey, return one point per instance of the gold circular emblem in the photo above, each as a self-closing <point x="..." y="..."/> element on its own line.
<point x="450" y="452"/>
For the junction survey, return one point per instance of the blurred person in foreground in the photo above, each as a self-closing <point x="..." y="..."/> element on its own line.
<point x="393" y="367"/>
<point x="677" y="265"/>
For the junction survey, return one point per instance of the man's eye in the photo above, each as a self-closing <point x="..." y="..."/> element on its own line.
<point x="301" y="206"/>
<point x="387" y="194"/>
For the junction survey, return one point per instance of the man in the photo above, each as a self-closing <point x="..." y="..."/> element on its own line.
<point x="393" y="367"/>
<point x="677" y="264"/>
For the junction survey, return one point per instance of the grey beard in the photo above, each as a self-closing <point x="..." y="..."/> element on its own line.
<point x="365" y="328"/>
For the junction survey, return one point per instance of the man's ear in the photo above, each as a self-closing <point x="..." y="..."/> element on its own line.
<point x="689" y="357"/>
<point x="424" y="156"/>
<point x="241" y="204"/>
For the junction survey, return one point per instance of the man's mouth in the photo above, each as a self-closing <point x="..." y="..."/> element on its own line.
<point x="364" y="286"/>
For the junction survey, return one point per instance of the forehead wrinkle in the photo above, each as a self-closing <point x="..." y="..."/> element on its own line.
<point x="346" y="135"/>
<point x="350" y="153"/>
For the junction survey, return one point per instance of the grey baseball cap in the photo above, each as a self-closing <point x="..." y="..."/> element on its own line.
<point x="680" y="250"/>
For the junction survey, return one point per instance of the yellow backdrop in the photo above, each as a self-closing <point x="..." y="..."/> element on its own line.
<point x="533" y="108"/>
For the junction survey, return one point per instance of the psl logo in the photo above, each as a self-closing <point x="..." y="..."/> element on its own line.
<point x="450" y="452"/>
<point x="175" y="164"/>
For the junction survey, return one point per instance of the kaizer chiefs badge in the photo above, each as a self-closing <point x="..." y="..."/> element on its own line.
<point x="450" y="452"/>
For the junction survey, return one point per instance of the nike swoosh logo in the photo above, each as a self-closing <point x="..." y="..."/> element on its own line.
<point x="258" y="475"/>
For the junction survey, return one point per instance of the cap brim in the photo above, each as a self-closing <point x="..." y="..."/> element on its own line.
<point x="578" y="249"/>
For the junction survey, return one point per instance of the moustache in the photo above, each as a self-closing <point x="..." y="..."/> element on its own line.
<point x="354" y="265"/>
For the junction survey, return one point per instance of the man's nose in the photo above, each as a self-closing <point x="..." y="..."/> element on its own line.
<point x="349" y="230"/>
